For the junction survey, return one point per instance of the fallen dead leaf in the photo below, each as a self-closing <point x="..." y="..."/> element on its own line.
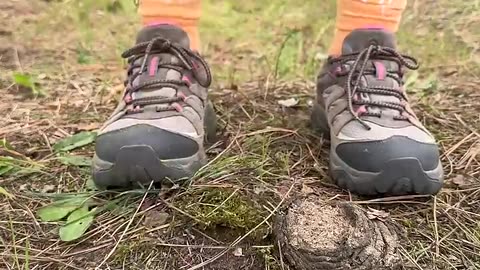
<point x="461" y="181"/>
<point x="88" y="127"/>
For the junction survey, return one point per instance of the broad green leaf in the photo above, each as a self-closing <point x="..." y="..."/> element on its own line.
<point x="78" y="223"/>
<point x="75" y="141"/>
<point x="5" y="193"/>
<point x="54" y="212"/>
<point x="28" y="81"/>
<point x="74" y="200"/>
<point x="60" y="209"/>
<point x="75" y="160"/>
<point x="24" y="80"/>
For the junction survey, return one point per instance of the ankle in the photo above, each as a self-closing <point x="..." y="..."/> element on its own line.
<point x="352" y="14"/>
<point x="184" y="14"/>
<point x="190" y="27"/>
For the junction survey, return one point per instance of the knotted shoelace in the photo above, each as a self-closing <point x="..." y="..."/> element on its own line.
<point x="188" y="60"/>
<point x="361" y="59"/>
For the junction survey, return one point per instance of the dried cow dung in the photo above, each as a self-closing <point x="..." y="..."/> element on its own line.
<point x="316" y="236"/>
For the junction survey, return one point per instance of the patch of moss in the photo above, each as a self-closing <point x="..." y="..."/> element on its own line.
<point x="222" y="207"/>
<point x="126" y="250"/>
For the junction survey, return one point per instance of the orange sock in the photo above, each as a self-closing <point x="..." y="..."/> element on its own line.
<point x="184" y="13"/>
<point x="353" y="14"/>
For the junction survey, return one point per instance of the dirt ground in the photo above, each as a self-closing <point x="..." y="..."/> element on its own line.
<point x="61" y="74"/>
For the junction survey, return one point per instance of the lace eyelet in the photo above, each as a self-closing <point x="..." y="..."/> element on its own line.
<point x="177" y="107"/>
<point x="337" y="71"/>
<point x="361" y="110"/>
<point x="128" y="98"/>
<point x="187" y="80"/>
<point x="137" y="109"/>
<point x="182" y="96"/>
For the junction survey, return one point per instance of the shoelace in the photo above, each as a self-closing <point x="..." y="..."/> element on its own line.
<point x="159" y="45"/>
<point x="361" y="59"/>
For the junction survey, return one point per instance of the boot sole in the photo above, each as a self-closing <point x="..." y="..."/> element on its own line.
<point x="398" y="177"/>
<point x="138" y="165"/>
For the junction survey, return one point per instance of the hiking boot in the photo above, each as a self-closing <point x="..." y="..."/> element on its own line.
<point x="378" y="146"/>
<point x="158" y="130"/>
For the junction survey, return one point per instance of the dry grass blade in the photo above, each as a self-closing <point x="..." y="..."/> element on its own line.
<point x="126" y="228"/>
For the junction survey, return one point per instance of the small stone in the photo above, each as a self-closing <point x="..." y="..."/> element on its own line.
<point x="288" y="102"/>
<point x="238" y="252"/>
<point x="259" y="190"/>
<point x="306" y="190"/>
<point x="155" y="219"/>
<point x="23" y="187"/>
<point x="48" y="188"/>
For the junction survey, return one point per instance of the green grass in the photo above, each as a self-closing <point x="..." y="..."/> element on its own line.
<point x="269" y="32"/>
<point x="243" y="40"/>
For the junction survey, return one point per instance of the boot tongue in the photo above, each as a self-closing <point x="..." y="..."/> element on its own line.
<point x="360" y="39"/>
<point x="154" y="71"/>
<point x="167" y="31"/>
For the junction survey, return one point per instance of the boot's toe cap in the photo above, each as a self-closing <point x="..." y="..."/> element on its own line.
<point x="167" y="145"/>
<point x="372" y="156"/>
